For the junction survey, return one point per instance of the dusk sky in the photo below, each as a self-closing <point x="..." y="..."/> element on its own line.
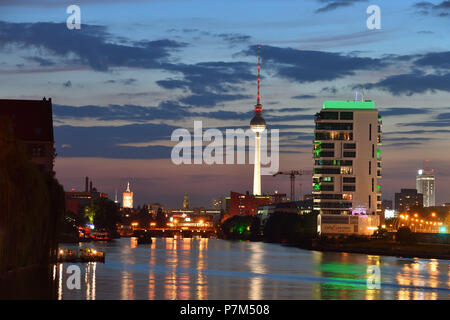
<point x="137" y="70"/>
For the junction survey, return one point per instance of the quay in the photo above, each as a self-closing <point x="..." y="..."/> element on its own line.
<point x="84" y="255"/>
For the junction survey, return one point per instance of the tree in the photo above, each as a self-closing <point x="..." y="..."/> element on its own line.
<point x="290" y="227"/>
<point x="380" y="233"/>
<point x="405" y="235"/>
<point x="105" y="214"/>
<point x="32" y="206"/>
<point x="160" y="218"/>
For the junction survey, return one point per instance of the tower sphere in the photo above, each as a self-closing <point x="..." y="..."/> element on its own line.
<point x="257" y="124"/>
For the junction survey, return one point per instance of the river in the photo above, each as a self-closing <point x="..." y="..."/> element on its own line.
<point x="220" y="269"/>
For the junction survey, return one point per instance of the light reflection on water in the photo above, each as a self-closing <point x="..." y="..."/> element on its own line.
<point x="218" y="269"/>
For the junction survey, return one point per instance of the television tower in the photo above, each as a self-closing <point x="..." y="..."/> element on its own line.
<point x="257" y="125"/>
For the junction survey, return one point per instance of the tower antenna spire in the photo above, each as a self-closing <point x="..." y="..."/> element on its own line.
<point x="258" y="96"/>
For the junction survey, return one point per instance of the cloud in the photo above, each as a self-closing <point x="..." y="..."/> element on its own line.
<point x="335" y="4"/>
<point x="440" y="10"/>
<point x="210" y="99"/>
<point x="287" y="110"/>
<point x="210" y="82"/>
<point x="437" y="60"/>
<point x="439" y="120"/>
<point x="310" y="66"/>
<point x="125" y="82"/>
<point x="411" y="83"/>
<point x="329" y="90"/>
<point x="235" y="38"/>
<point x="417" y="132"/>
<point x="92" y="45"/>
<point x="304" y="96"/>
<point x="41" y="61"/>
<point x="403" y="111"/>
<point x="167" y="110"/>
<point x="67" y="84"/>
<point x="105" y="141"/>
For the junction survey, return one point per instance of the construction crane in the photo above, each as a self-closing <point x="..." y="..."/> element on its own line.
<point x="292" y="174"/>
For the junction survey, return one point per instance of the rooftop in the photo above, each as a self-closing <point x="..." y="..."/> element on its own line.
<point x="32" y="119"/>
<point x="349" y="104"/>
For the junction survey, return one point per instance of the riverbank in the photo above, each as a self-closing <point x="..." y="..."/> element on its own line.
<point x="380" y="247"/>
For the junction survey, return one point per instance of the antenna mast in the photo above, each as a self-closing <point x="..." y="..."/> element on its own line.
<point x="258" y="96"/>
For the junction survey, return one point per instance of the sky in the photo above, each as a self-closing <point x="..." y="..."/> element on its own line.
<point x="138" y="70"/>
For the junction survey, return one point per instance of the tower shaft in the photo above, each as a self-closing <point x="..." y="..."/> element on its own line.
<point x="257" y="166"/>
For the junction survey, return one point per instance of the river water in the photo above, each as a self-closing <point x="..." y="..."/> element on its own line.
<point x="220" y="269"/>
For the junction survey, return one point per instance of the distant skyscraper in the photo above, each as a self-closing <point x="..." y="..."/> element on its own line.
<point x="425" y="185"/>
<point x="186" y="201"/>
<point x="258" y="125"/>
<point x="128" y="198"/>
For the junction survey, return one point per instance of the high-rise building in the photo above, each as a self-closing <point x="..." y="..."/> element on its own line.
<point x="407" y="200"/>
<point x="257" y="125"/>
<point x="128" y="198"/>
<point x="347" y="167"/>
<point x="425" y="185"/>
<point x="186" y="201"/>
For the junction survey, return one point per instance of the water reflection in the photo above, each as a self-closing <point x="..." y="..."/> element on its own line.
<point x="191" y="268"/>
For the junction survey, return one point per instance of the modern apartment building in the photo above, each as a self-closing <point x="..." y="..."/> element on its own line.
<point x="347" y="167"/>
<point x="407" y="200"/>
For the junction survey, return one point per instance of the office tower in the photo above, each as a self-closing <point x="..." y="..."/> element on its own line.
<point x="347" y="167"/>
<point x="257" y="125"/>
<point x="425" y="185"/>
<point x="186" y="201"/>
<point x="128" y="198"/>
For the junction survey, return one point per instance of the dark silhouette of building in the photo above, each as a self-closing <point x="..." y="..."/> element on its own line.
<point x="407" y="199"/>
<point x="77" y="201"/>
<point x="32" y="123"/>
<point x="386" y="204"/>
<point x="246" y="204"/>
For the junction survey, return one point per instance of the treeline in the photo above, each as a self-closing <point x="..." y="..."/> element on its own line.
<point x="31" y="207"/>
<point x="280" y="227"/>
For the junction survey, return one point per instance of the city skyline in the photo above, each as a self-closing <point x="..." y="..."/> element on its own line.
<point x="114" y="113"/>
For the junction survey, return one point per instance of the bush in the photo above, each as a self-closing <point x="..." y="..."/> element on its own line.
<point x="290" y="227"/>
<point x="240" y="227"/>
<point x="380" y="233"/>
<point x="404" y="234"/>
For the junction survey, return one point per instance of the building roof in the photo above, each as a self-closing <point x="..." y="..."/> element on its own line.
<point x="32" y="119"/>
<point x="359" y="105"/>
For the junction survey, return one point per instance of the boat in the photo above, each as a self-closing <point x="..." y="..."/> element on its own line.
<point x="101" y="236"/>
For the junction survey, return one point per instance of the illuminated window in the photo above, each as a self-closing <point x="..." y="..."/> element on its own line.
<point x="346" y="170"/>
<point x="347" y="196"/>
